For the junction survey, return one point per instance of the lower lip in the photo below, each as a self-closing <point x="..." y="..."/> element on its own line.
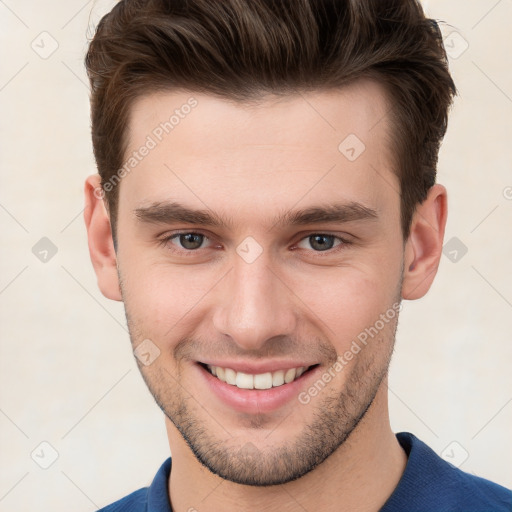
<point x="256" y="400"/>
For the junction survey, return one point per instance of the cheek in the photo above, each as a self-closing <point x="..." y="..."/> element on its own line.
<point x="164" y="302"/>
<point x="159" y="298"/>
<point x="346" y="301"/>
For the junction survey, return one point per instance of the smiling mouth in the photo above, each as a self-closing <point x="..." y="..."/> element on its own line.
<point x="266" y="380"/>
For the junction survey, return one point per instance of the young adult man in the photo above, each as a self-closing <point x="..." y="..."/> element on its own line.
<point x="266" y="198"/>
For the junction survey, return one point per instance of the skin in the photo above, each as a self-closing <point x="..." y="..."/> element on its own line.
<point x="249" y="163"/>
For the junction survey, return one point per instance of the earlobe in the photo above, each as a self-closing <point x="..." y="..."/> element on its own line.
<point x="424" y="246"/>
<point x="99" y="236"/>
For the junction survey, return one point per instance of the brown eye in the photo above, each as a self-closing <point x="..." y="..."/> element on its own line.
<point x="191" y="240"/>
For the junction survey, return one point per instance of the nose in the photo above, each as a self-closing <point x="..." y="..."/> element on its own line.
<point x="255" y="304"/>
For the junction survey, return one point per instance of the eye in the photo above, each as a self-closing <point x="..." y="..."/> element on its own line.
<point x="187" y="241"/>
<point x="321" y="242"/>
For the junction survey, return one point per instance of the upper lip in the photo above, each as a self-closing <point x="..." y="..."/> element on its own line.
<point x="260" y="367"/>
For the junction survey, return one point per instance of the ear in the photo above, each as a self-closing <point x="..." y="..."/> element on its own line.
<point x="99" y="236"/>
<point x="424" y="246"/>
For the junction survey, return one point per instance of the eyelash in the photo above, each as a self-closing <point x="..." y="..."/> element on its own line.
<point x="166" y="241"/>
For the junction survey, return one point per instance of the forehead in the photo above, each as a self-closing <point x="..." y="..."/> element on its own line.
<point x="306" y="148"/>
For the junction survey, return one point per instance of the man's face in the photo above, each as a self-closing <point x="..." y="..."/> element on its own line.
<point x="274" y="283"/>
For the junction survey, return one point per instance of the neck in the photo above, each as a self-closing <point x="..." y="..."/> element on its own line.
<point x="359" y="476"/>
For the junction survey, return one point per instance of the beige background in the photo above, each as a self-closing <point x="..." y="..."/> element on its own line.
<point x="68" y="376"/>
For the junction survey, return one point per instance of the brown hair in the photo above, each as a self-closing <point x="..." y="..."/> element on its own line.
<point x="243" y="49"/>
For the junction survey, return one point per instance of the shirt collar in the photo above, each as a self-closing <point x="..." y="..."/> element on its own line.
<point x="158" y="496"/>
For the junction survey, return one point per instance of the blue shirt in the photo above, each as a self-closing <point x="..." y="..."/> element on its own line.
<point x="428" y="484"/>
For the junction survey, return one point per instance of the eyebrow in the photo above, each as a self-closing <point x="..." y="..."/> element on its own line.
<point x="174" y="212"/>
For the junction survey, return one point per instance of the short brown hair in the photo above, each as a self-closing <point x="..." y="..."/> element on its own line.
<point x="243" y="49"/>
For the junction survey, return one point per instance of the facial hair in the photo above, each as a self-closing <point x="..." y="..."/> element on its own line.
<point x="336" y="414"/>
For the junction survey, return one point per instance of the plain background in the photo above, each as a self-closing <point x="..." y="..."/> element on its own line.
<point x="67" y="374"/>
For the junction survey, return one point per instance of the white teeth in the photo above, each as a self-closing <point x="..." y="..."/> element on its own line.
<point x="263" y="381"/>
<point x="260" y="381"/>
<point x="244" y="380"/>
<point x="290" y="375"/>
<point x="230" y="376"/>
<point x="220" y="373"/>
<point x="278" y="378"/>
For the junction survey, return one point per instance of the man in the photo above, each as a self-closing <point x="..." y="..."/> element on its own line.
<point x="266" y="198"/>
